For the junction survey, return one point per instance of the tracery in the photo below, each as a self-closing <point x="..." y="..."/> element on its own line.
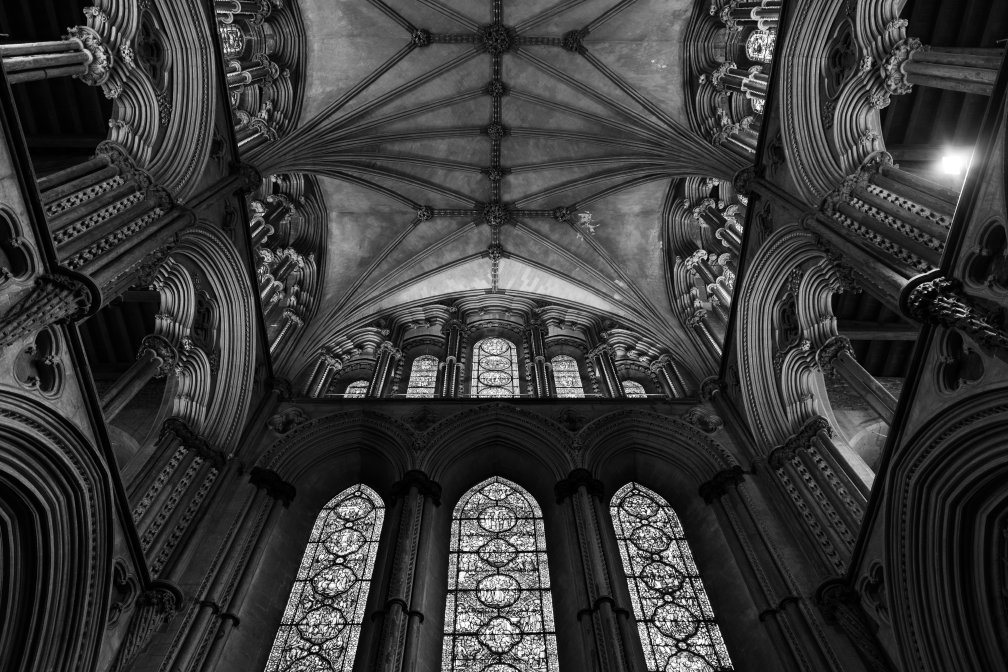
<point x="634" y="390"/>
<point x="499" y="614"/>
<point x="566" y="377"/>
<point x="322" y="621"/>
<point x="674" y="616"/>
<point x="495" y="368"/>
<point x="423" y="375"/>
<point x="760" y="44"/>
<point x="356" y="390"/>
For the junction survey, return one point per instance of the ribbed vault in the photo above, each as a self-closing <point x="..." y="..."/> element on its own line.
<point x="510" y="146"/>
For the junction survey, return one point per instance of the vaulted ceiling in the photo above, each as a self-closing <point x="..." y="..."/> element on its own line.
<point x="452" y="134"/>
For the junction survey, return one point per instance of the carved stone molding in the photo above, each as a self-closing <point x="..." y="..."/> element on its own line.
<point x="286" y="420"/>
<point x="155" y="608"/>
<point x="100" y="66"/>
<point x="891" y="69"/>
<point x="576" y="479"/>
<point x="52" y="299"/>
<point x="831" y="349"/>
<point x="163" y="350"/>
<point x="275" y="487"/>
<point x="700" y="417"/>
<point x="841" y="606"/>
<point x="414" y="478"/>
<point x="938" y="301"/>
<point x="718" y="485"/>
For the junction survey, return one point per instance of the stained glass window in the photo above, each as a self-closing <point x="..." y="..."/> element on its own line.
<point x="567" y="377"/>
<point x="495" y="368"/>
<point x="633" y="389"/>
<point x="760" y="45"/>
<point x="674" y="616"/>
<point x="423" y="374"/>
<point x="322" y="622"/>
<point x="499" y="613"/>
<point x="356" y="390"/>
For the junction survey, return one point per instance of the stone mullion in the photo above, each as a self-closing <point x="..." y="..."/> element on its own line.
<point x="610" y="629"/>
<point x="233" y="595"/>
<point x="156" y="358"/>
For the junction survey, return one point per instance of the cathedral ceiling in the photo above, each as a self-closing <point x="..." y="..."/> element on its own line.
<point x="458" y="158"/>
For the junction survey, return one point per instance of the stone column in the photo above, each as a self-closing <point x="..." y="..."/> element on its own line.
<point x="836" y="356"/>
<point x="292" y="322"/>
<point x="454" y="331"/>
<point x="53" y="298"/>
<point x="389" y="357"/>
<point x="700" y="322"/>
<point x="763" y="14"/>
<point x="668" y="377"/>
<point x="404" y="591"/>
<point x="254" y="134"/>
<point x="536" y="332"/>
<point x="248" y="73"/>
<point x="81" y="54"/>
<point x="751" y="83"/>
<point x="156" y="359"/>
<point x="328" y="365"/>
<point x="155" y="607"/>
<point x="841" y="606"/>
<point x="605" y="369"/>
<point x="282" y="494"/>
<point x="605" y="617"/>
<point x="955" y="69"/>
<point x="937" y="300"/>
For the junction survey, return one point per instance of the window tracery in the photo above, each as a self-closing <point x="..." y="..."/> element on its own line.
<point x="321" y="624"/>
<point x="423" y="375"/>
<point x="634" y="390"/>
<point x="759" y="46"/>
<point x="674" y="616"/>
<point x="495" y="368"/>
<point x="499" y="611"/>
<point x="567" y="377"/>
<point x="356" y="390"/>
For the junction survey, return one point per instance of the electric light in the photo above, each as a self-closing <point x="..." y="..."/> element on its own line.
<point x="954" y="163"/>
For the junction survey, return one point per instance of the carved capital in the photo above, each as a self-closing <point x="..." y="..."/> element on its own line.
<point x="577" y="479"/>
<point x="414" y="478"/>
<point x="841" y="606"/>
<point x="718" y="485"/>
<point x="275" y="487"/>
<point x="831" y="349"/>
<point x="155" y="608"/>
<point x="938" y="301"/>
<point x="700" y="417"/>
<point x="52" y="299"/>
<point x="163" y="350"/>
<point x="891" y="69"/>
<point x="710" y="388"/>
<point x="100" y="66"/>
<point x="191" y="441"/>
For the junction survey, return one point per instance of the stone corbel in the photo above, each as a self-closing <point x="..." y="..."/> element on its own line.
<point x="939" y="301"/>
<point x="155" y="608"/>
<point x="53" y="298"/>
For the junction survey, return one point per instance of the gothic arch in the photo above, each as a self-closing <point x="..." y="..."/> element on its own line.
<point x="55" y="512"/>
<point x="781" y="386"/>
<point x="946" y="550"/>
<point x="502" y="427"/>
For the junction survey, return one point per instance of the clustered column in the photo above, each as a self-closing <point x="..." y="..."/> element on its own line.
<point x="669" y="378"/>
<point x="80" y="54"/>
<point x="969" y="70"/>
<point x="542" y="385"/>
<point x="605" y="616"/>
<point x="389" y="357"/>
<point x="454" y="331"/>
<point x="404" y="588"/>
<point x="836" y="356"/>
<point x="156" y="359"/>
<point x="328" y="365"/>
<point x="605" y="369"/>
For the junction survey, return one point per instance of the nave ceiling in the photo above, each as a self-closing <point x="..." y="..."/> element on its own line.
<point x="603" y="132"/>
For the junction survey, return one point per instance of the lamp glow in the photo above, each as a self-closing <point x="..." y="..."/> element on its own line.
<point x="954" y="163"/>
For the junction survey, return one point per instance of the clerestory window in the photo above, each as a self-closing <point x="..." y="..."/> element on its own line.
<point x="356" y="390"/>
<point x="495" y="368"/>
<point x="634" y="390"/>
<point x="566" y="377"/>
<point x="423" y="375"/>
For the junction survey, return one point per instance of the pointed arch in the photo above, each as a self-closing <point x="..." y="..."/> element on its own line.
<point x="499" y="610"/>
<point x="674" y="616"/>
<point x="322" y="622"/>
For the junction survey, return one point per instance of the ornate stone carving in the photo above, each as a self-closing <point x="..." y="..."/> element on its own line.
<point x="572" y="41"/>
<point x="710" y="388"/>
<point x="496" y="88"/>
<point x="421" y="37"/>
<point x="938" y="301"/>
<point x="496" y="38"/>
<point x="414" y="478"/>
<point x="275" y="487"/>
<point x="53" y="298"/>
<point x="562" y="214"/>
<point x="163" y="350"/>
<point x="424" y="213"/>
<point x="700" y="417"/>
<point x="496" y="130"/>
<point x="841" y="606"/>
<point x="423" y="419"/>
<point x="718" y="485"/>
<point x="831" y="349"/>
<point x="100" y="66"/>
<point x="576" y="479"/>
<point x="891" y="69"/>
<point x="287" y="419"/>
<point x="155" y="608"/>
<point x="496" y="214"/>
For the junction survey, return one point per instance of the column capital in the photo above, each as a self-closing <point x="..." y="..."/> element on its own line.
<point x="414" y="478"/>
<point x="719" y="483"/>
<point x="710" y="388"/>
<point x="830" y="350"/>
<point x="192" y="441"/>
<point x="55" y="297"/>
<point x="601" y="348"/>
<point x="840" y="604"/>
<point x="891" y="69"/>
<point x="938" y="300"/>
<point x="100" y="66"/>
<point x="800" y="440"/>
<point x="163" y="350"/>
<point x="576" y="479"/>
<point x="273" y="484"/>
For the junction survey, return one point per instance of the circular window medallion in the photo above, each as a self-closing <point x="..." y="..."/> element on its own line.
<point x="650" y="539"/>
<point x="499" y="635"/>
<point x="498" y="591"/>
<point x="497" y="552"/>
<point x="497" y="519"/>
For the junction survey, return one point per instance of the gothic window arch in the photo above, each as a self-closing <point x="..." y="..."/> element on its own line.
<point x="495" y="368"/>
<point x="634" y="390"/>
<point x="674" y="616"/>
<point x="499" y="611"/>
<point x="567" y="377"/>
<point x="423" y="374"/>
<point x="322" y="622"/>
<point x="356" y="390"/>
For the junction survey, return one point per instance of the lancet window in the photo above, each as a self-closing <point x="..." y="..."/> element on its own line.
<point x="633" y="390"/>
<point x="423" y="375"/>
<point x="566" y="377"/>
<point x="356" y="390"/>
<point x="499" y="612"/>
<point x="674" y="616"/>
<point x="321" y="625"/>
<point x="495" y="368"/>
